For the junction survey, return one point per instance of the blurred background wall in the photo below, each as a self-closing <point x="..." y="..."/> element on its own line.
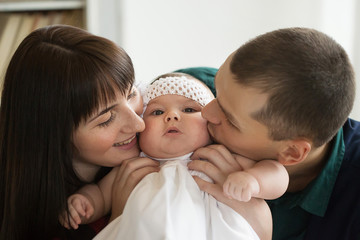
<point x="164" y="35"/>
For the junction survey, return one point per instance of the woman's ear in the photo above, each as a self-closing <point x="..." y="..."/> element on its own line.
<point x="294" y="152"/>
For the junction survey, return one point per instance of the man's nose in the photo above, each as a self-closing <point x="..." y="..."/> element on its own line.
<point x="211" y="112"/>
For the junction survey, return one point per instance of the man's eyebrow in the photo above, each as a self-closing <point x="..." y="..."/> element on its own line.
<point x="226" y="113"/>
<point x="215" y="79"/>
<point x="103" y="112"/>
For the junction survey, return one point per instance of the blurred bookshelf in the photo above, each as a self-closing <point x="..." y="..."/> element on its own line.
<point x="19" y="18"/>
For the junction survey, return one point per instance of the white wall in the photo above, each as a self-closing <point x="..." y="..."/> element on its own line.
<point x="165" y="35"/>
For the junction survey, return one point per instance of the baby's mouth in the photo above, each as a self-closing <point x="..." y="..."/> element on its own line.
<point x="124" y="142"/>
<point x="172" y="130"/>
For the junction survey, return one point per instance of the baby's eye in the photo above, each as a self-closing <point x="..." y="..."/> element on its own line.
<point x="157" y="112"/>
<point x="189" y="110"/>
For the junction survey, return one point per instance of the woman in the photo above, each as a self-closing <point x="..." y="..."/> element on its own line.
<point x="68" y="108"/>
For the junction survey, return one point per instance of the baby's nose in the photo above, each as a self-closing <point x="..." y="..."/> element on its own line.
<point x="172" y="116"/>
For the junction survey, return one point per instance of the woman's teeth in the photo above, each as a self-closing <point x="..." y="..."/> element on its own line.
<point x="124" y="143"/>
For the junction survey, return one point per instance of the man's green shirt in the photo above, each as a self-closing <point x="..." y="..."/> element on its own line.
<point x="292" y="211"/>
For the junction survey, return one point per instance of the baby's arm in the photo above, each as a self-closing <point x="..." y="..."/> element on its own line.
<point x="123" y="179"/>
<point x="90" y="203"/>
<point x="267" y="179"/>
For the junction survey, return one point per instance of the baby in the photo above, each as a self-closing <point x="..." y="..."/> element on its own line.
<point x="168" y="204"/>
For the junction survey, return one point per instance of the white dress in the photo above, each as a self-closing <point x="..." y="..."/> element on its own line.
<point x="168" y="205"/>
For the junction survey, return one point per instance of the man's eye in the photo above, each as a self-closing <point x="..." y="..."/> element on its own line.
<point x="230" y="123"/>
<point x="157" y="112"/>
<point x="189" y="110"/>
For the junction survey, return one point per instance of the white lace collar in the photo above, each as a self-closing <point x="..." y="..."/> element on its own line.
<point x="183" y="157"/>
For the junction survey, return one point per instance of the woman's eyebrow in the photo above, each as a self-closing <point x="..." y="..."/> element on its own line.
<point x="103" y="112"/>
<point x="131" y="89"/>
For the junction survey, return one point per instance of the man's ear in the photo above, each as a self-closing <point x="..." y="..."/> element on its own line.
<point x="294" y="152"/>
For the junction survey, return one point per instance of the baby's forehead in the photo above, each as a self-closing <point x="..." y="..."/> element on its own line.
<point x="169" y="99"/>
<point x="179" y="85"/>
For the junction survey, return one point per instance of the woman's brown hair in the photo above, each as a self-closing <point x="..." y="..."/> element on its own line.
<point x="57" y="77"/>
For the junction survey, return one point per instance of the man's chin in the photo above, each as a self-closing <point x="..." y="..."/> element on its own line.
<point x="215" y="140"/>
<point x="212" y="134"/>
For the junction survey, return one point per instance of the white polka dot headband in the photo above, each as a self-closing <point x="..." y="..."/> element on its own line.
<point x="182" y="86"/>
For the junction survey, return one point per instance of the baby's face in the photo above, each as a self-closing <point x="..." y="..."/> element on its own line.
<point x="173" y="127"/>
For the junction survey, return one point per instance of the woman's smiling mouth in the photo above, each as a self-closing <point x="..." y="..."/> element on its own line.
<point x="124" y="142"/>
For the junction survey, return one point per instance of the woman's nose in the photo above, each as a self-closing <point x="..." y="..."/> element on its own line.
<point x="133" y="123"/>
<point x="139" y="123"/>
<point x="172" y="116"/>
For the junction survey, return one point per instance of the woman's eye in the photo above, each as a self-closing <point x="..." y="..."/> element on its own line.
<point x="107" y="122"/>
<point x="189" y="110"/>
<point x="132" y="94"/>
<point x="157" y="112"/>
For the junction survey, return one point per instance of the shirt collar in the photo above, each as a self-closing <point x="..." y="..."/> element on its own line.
<point x="315" y="197"/>
<point x="183" y="157"/>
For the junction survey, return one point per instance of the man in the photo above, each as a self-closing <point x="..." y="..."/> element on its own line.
<point x="286" y="95"/>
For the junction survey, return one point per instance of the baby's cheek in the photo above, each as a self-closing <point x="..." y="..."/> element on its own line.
<point x="203" y="134"/>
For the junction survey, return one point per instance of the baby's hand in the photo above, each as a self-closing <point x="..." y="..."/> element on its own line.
<point x="241" y="186"/>
<point x="80" y="209"/>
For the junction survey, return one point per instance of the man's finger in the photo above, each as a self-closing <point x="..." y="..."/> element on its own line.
<point x="211" y="188"/>
<point x="216" y="155"/>
<point x="208" y="169"/>
<point x="226" y="154"/>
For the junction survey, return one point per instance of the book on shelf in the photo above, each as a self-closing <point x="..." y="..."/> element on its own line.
<point x="57" y="18"/>
<point x="7" y="39"/>
<point x="3" y="18"/>
<point x="14" y="27"/>
<point x="74" y="18"/>
<point x="24" y="29"/>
